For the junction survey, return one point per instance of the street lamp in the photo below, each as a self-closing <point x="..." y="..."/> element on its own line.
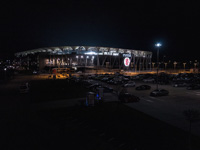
<point x="77" y="60"/>
<point x="165" y="66"/>
<point x="86" y="59"/>
<point x="175" y="63"/>
<point x="184" y="66"/>
<point x="5" y="73"/>
<point x="158" y="45"/>
<point x="164" y="61"/>
<point x="153" y="65"/>
<point x="195" y="65"/>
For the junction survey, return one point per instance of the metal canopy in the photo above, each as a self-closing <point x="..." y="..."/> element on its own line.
<point x="84" y="49"/>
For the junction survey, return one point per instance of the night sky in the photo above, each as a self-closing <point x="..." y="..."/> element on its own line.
<point x="124" y="24"/>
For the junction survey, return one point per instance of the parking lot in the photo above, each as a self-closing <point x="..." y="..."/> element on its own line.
<point x="28" y="117"/>
<point x="169" y="108"/>
<point x="166" y="108"/>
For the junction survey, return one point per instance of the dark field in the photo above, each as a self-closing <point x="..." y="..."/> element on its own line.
<point x="105" y="126"/>
<point x="48" y="90"/>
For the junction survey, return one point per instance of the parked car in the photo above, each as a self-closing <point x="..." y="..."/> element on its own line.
<point x="159" y="92"/>
<point x="125" y="79"/>
<point x="193" y="87"/>
<point x="149" y="80"/>
<point x="127" y="98"/>
<point x="86" y="82"/>
<point x="99" y="77"/>
<point x="180" y="84"/>
<point x="129" y="84"/>
<point x="139" y="76"/>
<point x="143" y="87"/>
<point x="115" y="81"/>
<point x="105" y="79"/>
<point x="93" y="86"/>
<point x="107" y="89"/>
<point x="35" y="72"/>
<point x="24" y="88"/>
<point x="110" y="82"/>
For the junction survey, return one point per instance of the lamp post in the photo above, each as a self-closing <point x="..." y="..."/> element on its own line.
<point x="86" y="59"/>
<point x="175" y="63"/>
<point x="5" y="74"/>
<point x="195" y="66"/>
<point x="77" y="60"/>
<point x="158" y="46"/>
<point x="164" y="62"/>
<point x="165" y="66"/>
<point x="184" y="66"/>
<point x="153" y="65"/>
<point x="82" y="58"/>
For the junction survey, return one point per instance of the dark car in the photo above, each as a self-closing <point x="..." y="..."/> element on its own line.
<point x="129" y="84"/>
<point x="94" y="86"/>
<point x="105" y="79"/>
<point x="112" y="82"/>
<point x="159" y="92"/>
<point x="107" y="89"/>
<point x="193" y="87"/>
<point x="86" y="83"/>
<point x="180" y="84"/>
<point x="149" y="80"/>
<point x="24" y="88"/>
<point x="128" y="98"/>
<point x="143" y="87"/>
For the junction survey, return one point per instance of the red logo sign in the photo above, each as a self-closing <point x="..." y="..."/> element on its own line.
<point x="126" y="61"/>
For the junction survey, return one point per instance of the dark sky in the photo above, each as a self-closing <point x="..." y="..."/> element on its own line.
<point x="126" y="24"/>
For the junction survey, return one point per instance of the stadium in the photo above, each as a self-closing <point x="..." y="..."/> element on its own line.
<point x="87" y="57"/>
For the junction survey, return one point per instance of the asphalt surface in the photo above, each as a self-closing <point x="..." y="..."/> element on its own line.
<point x="166" y="108"/>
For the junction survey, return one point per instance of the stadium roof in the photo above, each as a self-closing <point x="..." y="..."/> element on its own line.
<point x="85" y="50"/>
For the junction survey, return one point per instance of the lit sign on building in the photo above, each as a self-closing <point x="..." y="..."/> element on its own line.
<point x="126" y="55"/>
<point x="126" y="61"/>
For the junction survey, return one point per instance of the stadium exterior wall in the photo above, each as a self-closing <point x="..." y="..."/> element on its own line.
<point x="85" y="56"/>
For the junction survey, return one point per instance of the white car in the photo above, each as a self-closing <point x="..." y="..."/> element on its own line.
<point x="125" y="79"/>
<point x="129" y="84"/>
<point x="149" y="80"/>
<point x="35" y="72"/>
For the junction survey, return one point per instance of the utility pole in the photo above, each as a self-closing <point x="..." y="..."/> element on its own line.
<point x="158" y="46"/>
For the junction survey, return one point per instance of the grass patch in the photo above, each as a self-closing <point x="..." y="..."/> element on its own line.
<point x="48" y="90"/>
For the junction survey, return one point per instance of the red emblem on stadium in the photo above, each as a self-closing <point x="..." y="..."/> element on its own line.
<point x="126" y="61"/>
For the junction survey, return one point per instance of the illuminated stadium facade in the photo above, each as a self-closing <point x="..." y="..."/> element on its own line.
<point x="85" y="57"/>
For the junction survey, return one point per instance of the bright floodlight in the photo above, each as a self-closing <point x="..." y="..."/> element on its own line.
<point x="158" y="45"/>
